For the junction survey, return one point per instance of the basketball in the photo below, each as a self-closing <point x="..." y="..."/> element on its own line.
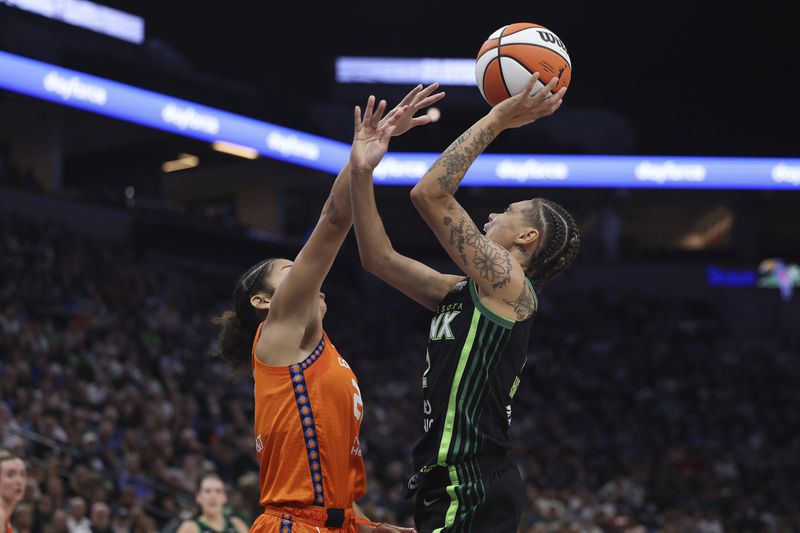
<point x="511" y="54"/>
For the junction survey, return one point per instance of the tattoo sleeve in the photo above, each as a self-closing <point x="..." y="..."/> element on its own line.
<point x="458" y="157"/>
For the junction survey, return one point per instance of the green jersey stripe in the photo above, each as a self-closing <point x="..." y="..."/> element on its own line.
<point x="490" y="357"/>
<point x="479" y="384"/>
<point x="452" y="511"/>
<point x="471" y="467"/>
<point x="475" y="363"/>
<point x="481" y="397"/>
<point x="447" y="433"/>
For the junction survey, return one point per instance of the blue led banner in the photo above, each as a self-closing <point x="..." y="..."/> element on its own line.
<point x="105" y="97"/>
<point x="88" y="15"/>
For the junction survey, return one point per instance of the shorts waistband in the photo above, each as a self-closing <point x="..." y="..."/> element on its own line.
<point x="438" y="476"/>
<point x="313" y="515"/>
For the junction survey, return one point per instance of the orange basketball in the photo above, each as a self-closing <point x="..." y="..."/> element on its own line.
<point x="514" y="52"/>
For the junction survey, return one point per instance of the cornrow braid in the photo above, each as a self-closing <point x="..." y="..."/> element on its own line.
<point x="559" y="246"/>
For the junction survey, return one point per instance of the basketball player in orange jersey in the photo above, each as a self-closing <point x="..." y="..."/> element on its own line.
<point x="12" y="487"/>
<point x="464" y="478"/>
<point x="308" y="406"/>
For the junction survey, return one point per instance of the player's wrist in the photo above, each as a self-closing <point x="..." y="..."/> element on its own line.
<point x="361" y="170"/>
<point x="495" y="121"/>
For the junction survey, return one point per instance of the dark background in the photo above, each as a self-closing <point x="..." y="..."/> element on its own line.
<point x="705" y="78"/>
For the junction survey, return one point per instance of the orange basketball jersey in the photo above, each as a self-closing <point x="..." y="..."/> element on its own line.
<point x="307" y="419"/>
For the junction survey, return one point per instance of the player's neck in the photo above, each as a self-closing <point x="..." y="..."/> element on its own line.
<point x="6" y="510"/>
<point x="521" y="254"/>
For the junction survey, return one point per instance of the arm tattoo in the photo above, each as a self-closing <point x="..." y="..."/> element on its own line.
<point x="457" y="237"/>
<point x="523" y="305"/>
<point x="506" y="279"/>
<point x="476" y="239"/>
<point x="492" y="261"/>
<point x="460" y="155"/>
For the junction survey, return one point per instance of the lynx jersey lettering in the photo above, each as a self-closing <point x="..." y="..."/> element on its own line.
<point x="474" y="361"/>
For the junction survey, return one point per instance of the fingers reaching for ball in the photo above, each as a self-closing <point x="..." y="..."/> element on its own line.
<point x="533" y="102"/>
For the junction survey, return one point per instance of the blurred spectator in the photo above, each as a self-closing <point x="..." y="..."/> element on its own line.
<point x="77" y="522"/>
<point x="100" y="517"/>
<point x="23" y="518"/>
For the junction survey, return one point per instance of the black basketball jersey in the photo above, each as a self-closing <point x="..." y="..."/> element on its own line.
<point x="474" y="362"/>
<point x="204" y="527"/>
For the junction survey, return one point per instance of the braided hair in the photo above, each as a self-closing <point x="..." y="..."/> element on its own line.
<point x="238" y="325"/>
<point x="559" y="241"/>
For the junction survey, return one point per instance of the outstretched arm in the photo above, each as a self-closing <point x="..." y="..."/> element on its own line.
<point x="416" y="280"/>
<point x="490" y="265"/>
<point x="298" y="294"/>
<point x="297" y="298"/>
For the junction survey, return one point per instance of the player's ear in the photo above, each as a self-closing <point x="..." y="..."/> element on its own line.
<point x="528" y="237"/>
<point x="260" y="301"/>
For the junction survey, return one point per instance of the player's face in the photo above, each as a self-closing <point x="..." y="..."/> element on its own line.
<point x="280" y="270"/>
<point x="212" y="497"/>
<point x="12" y="480"/>
<point x="503" y="228"/>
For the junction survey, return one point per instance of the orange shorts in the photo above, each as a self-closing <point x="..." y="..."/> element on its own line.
<point x="303" y="519"/>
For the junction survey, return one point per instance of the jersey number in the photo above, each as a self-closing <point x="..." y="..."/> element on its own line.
<point x="358" y="404"/>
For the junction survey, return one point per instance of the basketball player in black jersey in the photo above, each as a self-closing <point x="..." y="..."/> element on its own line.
<point x="478" y="339"/>
<point x="211" y="498"/>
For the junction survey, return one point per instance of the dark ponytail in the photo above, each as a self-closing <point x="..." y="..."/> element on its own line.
<point x="560" y="241"/>
<point x="238" y="325"/>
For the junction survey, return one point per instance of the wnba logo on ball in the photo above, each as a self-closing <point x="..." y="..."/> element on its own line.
<point x="551" y="38"/>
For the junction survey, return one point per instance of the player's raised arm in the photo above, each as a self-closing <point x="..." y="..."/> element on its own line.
<point x="298" y="294"/>
<point x="416" y="280"/>
<point x="489" y="264"/>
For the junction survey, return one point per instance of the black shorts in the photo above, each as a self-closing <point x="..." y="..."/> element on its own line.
<point x="465" y="498"/>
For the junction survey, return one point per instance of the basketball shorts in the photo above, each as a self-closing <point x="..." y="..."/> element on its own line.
<point x="467" y="498"/>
